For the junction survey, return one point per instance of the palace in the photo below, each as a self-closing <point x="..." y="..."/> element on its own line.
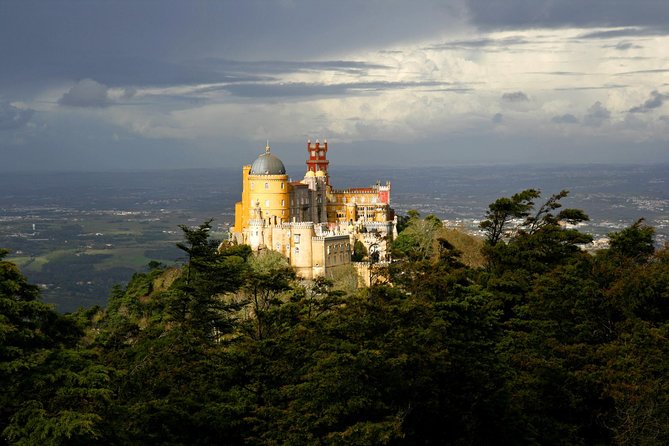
<point x="312" y="224"/>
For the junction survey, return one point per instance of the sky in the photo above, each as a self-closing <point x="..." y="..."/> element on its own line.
<point x="108" y="85"/>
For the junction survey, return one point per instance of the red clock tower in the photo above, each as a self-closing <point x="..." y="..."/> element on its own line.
<point x="317" y="161"/>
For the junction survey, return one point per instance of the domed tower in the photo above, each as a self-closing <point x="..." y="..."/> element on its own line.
<point x="268" y="189"/>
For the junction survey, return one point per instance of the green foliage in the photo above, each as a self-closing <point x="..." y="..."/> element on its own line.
<point x="52" y="393"/>
<point x="417" y="240"/>
<point x="503" y="210"/>
<point x="635" y="243"/>
<point x="359" y="252"/>
<point x="195" y="300"/>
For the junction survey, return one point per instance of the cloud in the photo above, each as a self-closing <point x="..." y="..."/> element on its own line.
<point x="516" y="96"/>
<point x="596" y="116"/>
<point x="654" y="71"/>
<point x="86" y="93"/>
<point x="563" y="13"/>
<point x="656" y="100"/>
<point x="498" y="118"/>
<point x="624" y="46"/>
<point x="481" y="43"/>
<point x="12" y="117"/>
<point x="304" y="89"/>
<point x="129" y="92"/>
<point x="625" y="32"/>
<point x="567" y="118"/>
<point x="599" y="87"/>
<point x="289" y="66"/>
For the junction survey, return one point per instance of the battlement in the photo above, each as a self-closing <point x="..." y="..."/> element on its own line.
<point x="317" y="145"/>
<point x="301" y="225"/>
<point x="356" y="190"/>
<point x="322" y="238"/>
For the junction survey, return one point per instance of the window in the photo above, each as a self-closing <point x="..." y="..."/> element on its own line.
<point x="297" y="250"/>
<point x="266" y="185"/>
<point x="283" y="212"/>
<point x="282" y="185"/>
<point x="266" y="203"/>
<point x="296" y="238"/>
<point x="251" y="184"/>
<point x="283" y="202"/>
<point x="278" y="246"/>
<point x="362" y="200"/>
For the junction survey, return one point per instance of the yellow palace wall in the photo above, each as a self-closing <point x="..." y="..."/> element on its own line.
<point x="271" y="192"/>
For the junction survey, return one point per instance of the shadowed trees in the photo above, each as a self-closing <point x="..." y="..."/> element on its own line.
<point x="544" y="344"/>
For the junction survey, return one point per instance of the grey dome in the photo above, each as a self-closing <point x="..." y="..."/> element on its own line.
<point x="267" y="164"/>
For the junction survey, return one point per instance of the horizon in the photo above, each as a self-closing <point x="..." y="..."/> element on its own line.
<point x="546" y="164"/>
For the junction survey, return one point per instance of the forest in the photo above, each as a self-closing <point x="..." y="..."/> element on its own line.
<point x="524" y="339"/>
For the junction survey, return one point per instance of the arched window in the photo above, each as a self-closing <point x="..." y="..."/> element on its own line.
<point x="266" y="185"/>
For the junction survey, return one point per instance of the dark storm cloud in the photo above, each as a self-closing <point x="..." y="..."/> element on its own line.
<point x="152" y="43"/>
<point x="516" y="96"/>
<point x="303" y="89"/>
<point x="86" y="93"/>
<point x="549" y="13"/>
<point x="656" y="100"/>
<point x="567" y="118"/>
<point x="12" y="117"/>
<point x="597" y="115"/>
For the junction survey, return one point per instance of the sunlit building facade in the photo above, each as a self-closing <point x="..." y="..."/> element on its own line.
<point x="314" y="225"/>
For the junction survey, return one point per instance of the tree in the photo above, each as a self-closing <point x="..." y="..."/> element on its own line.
<point x="635" y="243"/>
<point x="359" y="252"/>
<point x="503" y="210"/>
<point x="270" y="276"/>
<point x="540" y="241"/>
<point x="197" y="297"/>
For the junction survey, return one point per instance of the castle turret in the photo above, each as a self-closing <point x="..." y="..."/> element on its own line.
<point x="268" y="189"/>
<point x="317" y="161"/>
